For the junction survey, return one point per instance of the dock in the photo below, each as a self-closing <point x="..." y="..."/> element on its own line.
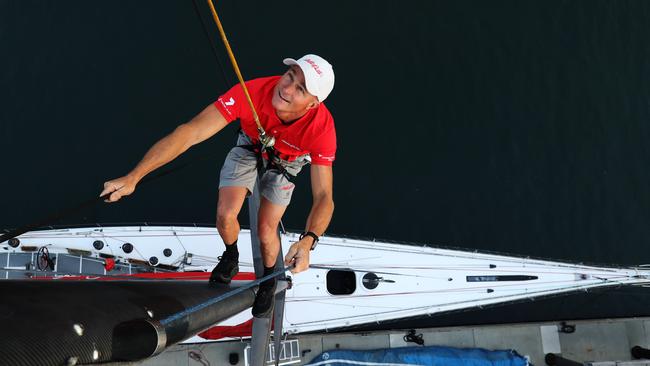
<point x="602" y="342"/>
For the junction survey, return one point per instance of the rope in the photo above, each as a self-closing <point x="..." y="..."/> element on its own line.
<point x="264" y="139"/>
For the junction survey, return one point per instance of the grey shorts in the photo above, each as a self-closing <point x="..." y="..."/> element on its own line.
<point x="240" y="170"/>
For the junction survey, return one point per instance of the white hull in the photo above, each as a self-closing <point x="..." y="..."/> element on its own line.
<point x="414" y="280"/>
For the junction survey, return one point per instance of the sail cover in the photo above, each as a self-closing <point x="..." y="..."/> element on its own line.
<point x="435" y="356"/>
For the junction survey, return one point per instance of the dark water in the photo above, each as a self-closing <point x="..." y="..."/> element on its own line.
<point x="513" y="126"/>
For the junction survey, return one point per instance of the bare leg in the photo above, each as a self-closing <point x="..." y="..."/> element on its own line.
<point x="230" y="202"/>
<point x="268" y="220"/>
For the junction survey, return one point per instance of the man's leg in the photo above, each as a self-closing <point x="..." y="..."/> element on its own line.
<point x="269" y="218"/>
<point x="267" y="230"/>
<point x="230" y="202"/>
<point x="231" y="199"/>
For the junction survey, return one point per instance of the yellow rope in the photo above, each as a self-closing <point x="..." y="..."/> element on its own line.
<point x="263" y="138"/>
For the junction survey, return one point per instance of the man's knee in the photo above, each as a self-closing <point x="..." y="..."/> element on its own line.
<point x="267" y="232"/>
<point x="226" y="218"/>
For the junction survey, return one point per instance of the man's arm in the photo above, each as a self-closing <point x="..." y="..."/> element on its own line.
<point x="203" y="126"/>
<point x="319" y="217"/>
<point x="323" y="199"/>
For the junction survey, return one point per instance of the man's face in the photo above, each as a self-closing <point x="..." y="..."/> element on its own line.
<point x="290" y="94"/>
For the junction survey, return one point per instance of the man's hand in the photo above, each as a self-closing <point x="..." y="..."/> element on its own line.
<point x="299" y="255"/>
<point x="119" y="187"/>
<point x="200" y="128"/>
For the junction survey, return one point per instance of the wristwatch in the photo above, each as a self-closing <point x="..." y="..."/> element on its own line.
<point x="313" y="236"/>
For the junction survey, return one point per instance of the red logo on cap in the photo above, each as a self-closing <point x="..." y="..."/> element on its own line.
<point x="313" y="64"/>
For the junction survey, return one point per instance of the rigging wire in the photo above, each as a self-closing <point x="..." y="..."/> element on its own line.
<point x="212" y="45"/>
<point x="85" y="204"/>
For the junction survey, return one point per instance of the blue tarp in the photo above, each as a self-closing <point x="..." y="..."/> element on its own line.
<point x="433" y="356"/>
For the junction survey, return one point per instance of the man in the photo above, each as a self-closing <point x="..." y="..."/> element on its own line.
<point x="291" y="109"/>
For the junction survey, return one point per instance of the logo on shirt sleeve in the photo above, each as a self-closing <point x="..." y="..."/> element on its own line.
<point x="225" y="104"/>
<point x="327" y="158"/>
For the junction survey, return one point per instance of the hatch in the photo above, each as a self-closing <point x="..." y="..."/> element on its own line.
<point x="341" y="282"/>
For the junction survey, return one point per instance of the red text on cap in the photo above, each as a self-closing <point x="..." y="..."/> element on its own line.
<point x="313" y="64"/>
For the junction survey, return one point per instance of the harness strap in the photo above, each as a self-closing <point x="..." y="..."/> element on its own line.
<point x="272" y="164"/>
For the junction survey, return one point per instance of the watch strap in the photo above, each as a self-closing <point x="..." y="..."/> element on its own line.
<point x="313" y="236"/>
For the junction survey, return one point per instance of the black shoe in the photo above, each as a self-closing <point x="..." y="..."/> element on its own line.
<point x="263" y="305"/>
<point x="226" y="269"/>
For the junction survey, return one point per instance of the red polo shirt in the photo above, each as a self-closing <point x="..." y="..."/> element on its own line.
<point x="312" y="134"/>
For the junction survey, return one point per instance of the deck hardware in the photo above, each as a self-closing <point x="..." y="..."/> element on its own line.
<point x="567" y="328"/>
<point x="98" y="244"/>
<point x="414" y="338"/>
<point x="639" y="352"/>
<point x="43" y="260"/>
<point x="233" y="358"/>
<point x="127" y="248"/>
<point x="14" y="242"/>
<point x="198" y="357"/>
<point x="557" y="360"/>
<point x="371" y="280"/>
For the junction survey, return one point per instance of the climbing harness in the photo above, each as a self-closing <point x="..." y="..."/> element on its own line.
<point x="273" y="163"/>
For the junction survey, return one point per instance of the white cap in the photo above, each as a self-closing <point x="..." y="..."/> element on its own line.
<point x="319" y="75"/>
